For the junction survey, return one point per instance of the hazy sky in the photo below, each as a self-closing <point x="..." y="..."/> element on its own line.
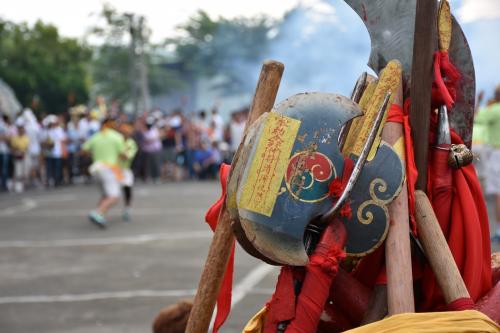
<point x="73" y="17"/>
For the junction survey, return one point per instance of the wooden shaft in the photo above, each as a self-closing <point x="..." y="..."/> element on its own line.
<point x="220" y="248"/>
<point x="437" y="251"/>
<point x="424" y="45"/>
<point x="400" y="297"/>
<point x="266" y="90"/>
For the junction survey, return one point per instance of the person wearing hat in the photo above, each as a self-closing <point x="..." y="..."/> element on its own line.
<point x="19" y="144"/>
<point x="106" y="148"/>
<point x="489" y="118"/>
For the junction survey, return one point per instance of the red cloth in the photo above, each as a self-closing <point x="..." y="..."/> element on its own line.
<point x="212" y="218"/>
<point x="446" y="78"/>
<point x="320" y="271"/>
<point x="398" y="115"/>
<point x="282" y="304"/>
<point x="462" y="215"/>
<point x="460" y="304"/>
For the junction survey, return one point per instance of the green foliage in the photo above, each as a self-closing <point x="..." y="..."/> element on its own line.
<point x="36" y="61"/>
<point x="208" y="47"/>
<point x="111" y="65"/>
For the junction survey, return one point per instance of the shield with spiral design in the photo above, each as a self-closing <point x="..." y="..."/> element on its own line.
<point x="290" y="157"/>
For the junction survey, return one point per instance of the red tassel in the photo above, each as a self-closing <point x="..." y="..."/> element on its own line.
<point x="446" y="77"/>
<point x="212" y="217"/>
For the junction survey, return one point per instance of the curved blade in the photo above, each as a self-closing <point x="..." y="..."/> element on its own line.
<point x="391" y="26"/>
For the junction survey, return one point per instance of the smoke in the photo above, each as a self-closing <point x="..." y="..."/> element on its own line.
<point x="324" y="47"/>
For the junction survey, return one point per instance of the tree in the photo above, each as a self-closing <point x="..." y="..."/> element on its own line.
<point x="209" y="47"/>
<point x="127" y="67"/>
<point x="38" y="63"/>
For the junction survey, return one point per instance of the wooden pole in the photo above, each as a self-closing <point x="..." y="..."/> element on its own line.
<point x="437" y="251"/>
<point x="220" y="248"/>
<point x="400" y="298"/>
<point x="424" y="45"/>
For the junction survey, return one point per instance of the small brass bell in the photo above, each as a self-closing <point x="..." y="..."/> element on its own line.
<point x="459" y="156"/>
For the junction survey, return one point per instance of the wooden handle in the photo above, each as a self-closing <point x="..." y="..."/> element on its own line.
<point x="437" y="251"/>
<point x="424" y="45"/>
<point x="400" y="297"/>
<point x="266" y="90"/>
<point x="220" y="248"/>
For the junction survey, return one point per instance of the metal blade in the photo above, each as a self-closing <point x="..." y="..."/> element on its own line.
<point x="391" y="25"/>
<point x="328" y="216"/>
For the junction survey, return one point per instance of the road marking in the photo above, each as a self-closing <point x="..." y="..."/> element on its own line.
<point x="56" y="198"/>
<point x="249" y="282"/>
<point x="96" y="296"/>
<point x="19" y="210"/>
<point x="242" y="289"/>
<point x="105" y="295"/>
<point x="137" y="239"/>
<point x="26" y="205"/>
<point x="246" y="286"/>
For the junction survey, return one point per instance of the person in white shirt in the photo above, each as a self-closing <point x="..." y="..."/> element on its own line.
<point x="236" y="130"/>
<point x="34" y="132"/>
<point x="218" y="126"/>
<point x="54" y="139"/>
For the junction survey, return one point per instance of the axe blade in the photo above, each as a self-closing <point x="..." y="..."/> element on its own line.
<point x="391" y="26"/>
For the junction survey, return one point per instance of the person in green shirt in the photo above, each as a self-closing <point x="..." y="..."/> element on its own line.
<point x="125" y="163"/>
<point x="107" y="148"/>
<point x="489" y="121"/>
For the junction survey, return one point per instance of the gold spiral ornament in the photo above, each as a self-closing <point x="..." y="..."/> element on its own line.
<point x="364" y="214"/>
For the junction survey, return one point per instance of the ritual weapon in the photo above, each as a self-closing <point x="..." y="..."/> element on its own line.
<point x="220" y="248"/>
<point x="406" y="30"/>
<point x="275" y="223"/>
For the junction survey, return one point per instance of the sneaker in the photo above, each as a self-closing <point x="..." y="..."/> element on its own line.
<point x="98" y="219"/>
<point x="126" y="216"/>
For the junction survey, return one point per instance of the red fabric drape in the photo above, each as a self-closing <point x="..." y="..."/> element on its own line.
<point x="320" y="271"/>
<point x="446" y="77"/>
<point x="458" y="202"/>
<point x="462" y="215"/>
<point x="400" y="115"/>
<point x="212" y="217"/>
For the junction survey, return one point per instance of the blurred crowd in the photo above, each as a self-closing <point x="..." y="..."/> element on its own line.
<point x="486" y="148"/>
<point x="46" y="151"/>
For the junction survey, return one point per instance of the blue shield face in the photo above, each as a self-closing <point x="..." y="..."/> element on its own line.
<point x="288" y="161"/>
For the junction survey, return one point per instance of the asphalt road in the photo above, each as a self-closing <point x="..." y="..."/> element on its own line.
<point x="59" y="273"/>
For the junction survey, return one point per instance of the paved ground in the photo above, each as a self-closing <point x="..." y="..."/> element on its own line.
<point x="59" y="273"/>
